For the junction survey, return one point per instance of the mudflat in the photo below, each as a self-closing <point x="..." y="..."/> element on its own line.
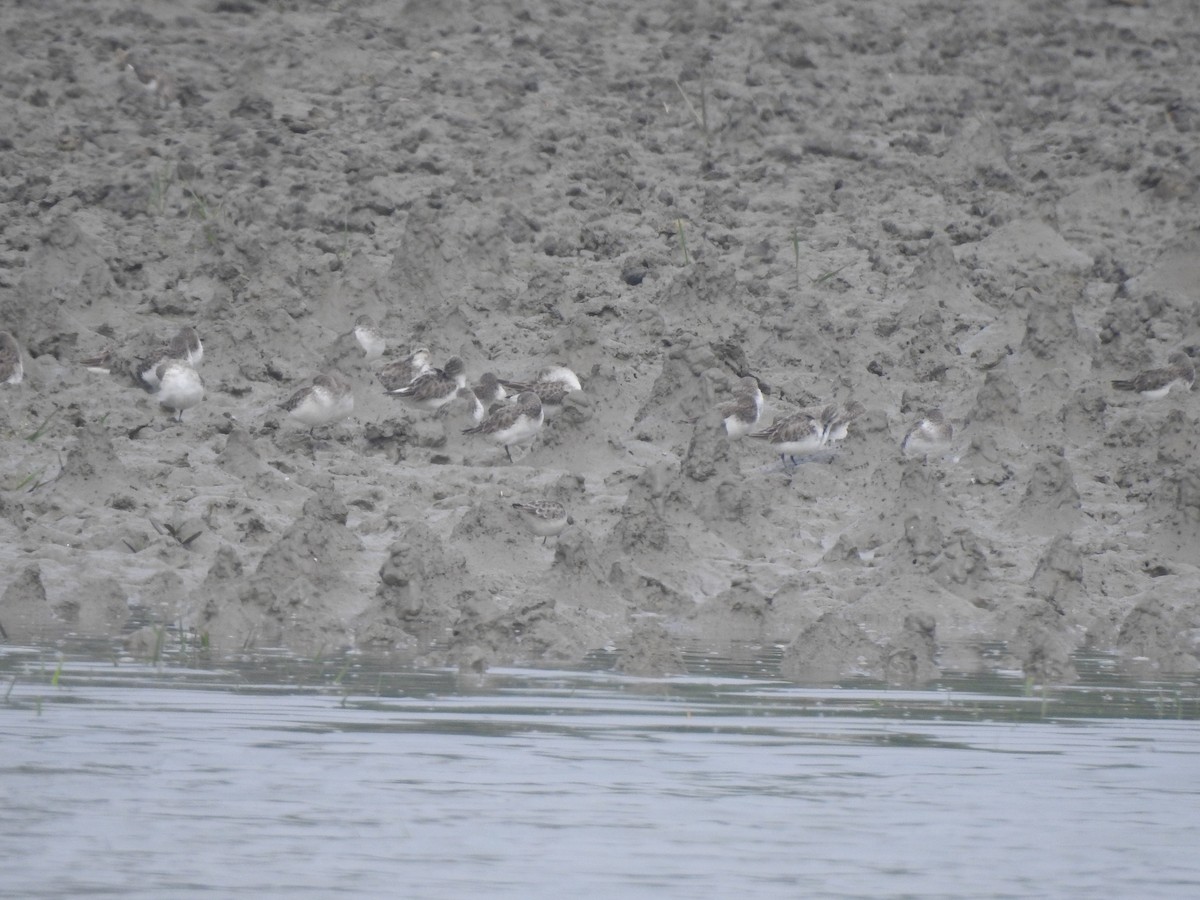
<point x="990" y="212"/>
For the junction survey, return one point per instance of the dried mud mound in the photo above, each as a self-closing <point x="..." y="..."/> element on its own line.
<point x="993" y="214"/>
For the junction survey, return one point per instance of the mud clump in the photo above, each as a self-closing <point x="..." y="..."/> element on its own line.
<point x="25" y="612"/>
<point x="1051" y="499"/>
<point x="1160" y="633"/>
<point x="290" y="599"/>
<point x="643" y="525"/>
<point x="650" y="653"/>
<point x="420" y="597"/>
<point x="835" y="648"/>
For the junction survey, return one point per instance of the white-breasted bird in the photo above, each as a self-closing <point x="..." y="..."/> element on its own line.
<point x="513" y="423"/>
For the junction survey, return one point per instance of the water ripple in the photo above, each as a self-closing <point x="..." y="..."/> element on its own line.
<point x="143" y="782"/>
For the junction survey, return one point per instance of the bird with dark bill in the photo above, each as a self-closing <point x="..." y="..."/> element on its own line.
<point x="839" y="425"/>
<point x="403" y="372"/>
<point x="433" y="390"/>
<point x="512" y="423"/>
<point x="327" y="400"/>
<point x="185" y="346"/>
<point x="545" y="518"/>
<point x="551" y="384"/>
<point x="742" y="413"/>
<point x="799" y="434"/>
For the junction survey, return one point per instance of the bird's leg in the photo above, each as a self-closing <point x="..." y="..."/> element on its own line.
<point x="508" y="452"/>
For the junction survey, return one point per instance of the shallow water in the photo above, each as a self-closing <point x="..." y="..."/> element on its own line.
<point x="276" y="777"/>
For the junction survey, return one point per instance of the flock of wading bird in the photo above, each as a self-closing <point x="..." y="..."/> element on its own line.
<point x="511" y="413"/>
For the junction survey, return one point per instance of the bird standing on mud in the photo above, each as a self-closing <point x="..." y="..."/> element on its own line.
<point x="327" y="400"/>
<point x="545" y="518"/>
<point x="552" y="385"/>
<point x="179" y="386"/>
<point x="404" y="372"/>
<point x="931" y="434"/>
<point x="799" y="434"/>
<point x="434" y="389"/>
<point x="517" y="423"/>
<point x="742" y="413"/>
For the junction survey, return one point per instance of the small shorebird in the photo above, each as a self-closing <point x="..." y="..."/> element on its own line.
<point x="403" y="372"/>
<point x="327" y="400"/>
<point x="516" y="423"/>
<point x="153" y="79"/>
<point x="433" y="390"/>
<point x="101" y="363"/>
<point x="369" y="337"/>
<point x="798" y="434"/>
<point x="932" y="434"/>
<point x="184" y="347"/>
<point x="552" y="384"/>
<point x="742" y="413"/>
<point x="1154" y="384"/>
<point x="545" y="518"/>
<point x="489" y="389"/>
<point x="179" y="386"/>
<point x="839" y="425"/>
<point x="471" y="399"/>
<point x="12" y="370"/>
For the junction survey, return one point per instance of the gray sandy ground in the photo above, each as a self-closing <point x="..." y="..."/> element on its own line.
<point x="899" y="203"/>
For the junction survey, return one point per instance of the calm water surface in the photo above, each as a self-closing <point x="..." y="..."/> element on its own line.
<point x="281" y="778"/>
